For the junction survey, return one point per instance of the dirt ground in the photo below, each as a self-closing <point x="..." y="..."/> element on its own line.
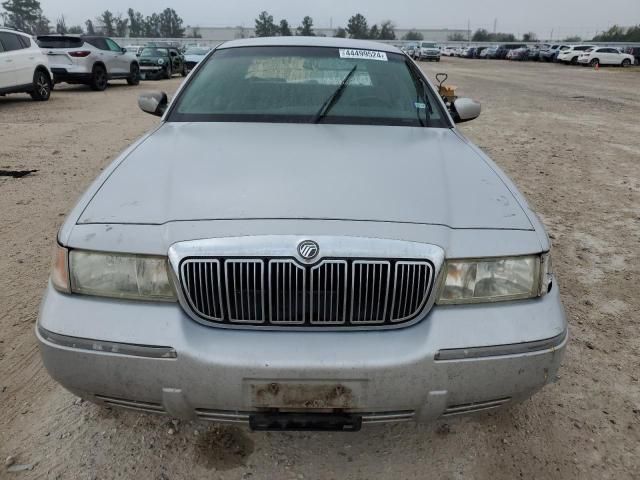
<point x="568" y="136"/>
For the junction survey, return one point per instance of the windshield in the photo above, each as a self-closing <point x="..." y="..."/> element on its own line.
<point x="296" y="84"/>
<point x="196" y="51"/>
<point x="154" y="52"/>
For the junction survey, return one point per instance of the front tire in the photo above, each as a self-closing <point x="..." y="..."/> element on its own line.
<point x="134" y="77"/>
<point x="99" y="79"/>
<point x="41" y="86"/>
<point x="595" y="62"/>
<point x="167" y="72"/>
<point x="626" y="62"/>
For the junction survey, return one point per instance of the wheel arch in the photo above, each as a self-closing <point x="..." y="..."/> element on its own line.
<point x="42" y="68"/>
<point x="99" y="63"/>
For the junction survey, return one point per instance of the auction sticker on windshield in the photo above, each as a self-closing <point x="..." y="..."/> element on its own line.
<point x="364" y="54"/>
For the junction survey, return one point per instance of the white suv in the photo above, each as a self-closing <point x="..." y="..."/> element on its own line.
<point x="23" y="67"/>
<point x="571" y="54"/>
<point x="605" y="56"/>
<point x="89" y="60"/>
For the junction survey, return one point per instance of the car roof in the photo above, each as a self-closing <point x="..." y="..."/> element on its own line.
<point x="310" y="42"/>
<point x="13" y="30"/>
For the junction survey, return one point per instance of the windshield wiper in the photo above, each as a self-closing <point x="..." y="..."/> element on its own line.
<point x="333" y="99"/>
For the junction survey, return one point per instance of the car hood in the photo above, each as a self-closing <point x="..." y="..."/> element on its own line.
<point x="224" y="171"/>
<point x="193" y="58"/>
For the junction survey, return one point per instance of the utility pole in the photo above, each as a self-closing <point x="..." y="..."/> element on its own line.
<point x="468" y="31"/>
<point x="495" y="25"/>
<point x="551" y="36"/>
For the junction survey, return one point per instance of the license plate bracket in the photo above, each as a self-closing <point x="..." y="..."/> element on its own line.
<point x="305" y="422"/>
<point x="307" y="395"/>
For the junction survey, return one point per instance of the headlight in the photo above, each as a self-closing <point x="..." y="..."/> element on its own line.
<point x="493" y="279"/>
<point x="137" y="277"/>
<point x="160" y="61"/>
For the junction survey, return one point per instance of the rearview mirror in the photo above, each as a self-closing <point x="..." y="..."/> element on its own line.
<point x="154" y="103"/>
<point x="465" y="109"/>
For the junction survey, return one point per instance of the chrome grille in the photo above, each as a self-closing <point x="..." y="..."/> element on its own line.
<point x="411" y="278"/>
<point x="328" y="293"/>
<point x="283" y="292"/>
<point x="244" y="281"/>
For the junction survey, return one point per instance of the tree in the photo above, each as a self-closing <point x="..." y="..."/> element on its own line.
<point x="24" y="15"/>
<point x="75" y="30"/>
<point x="374" y="33"/>
<point x="265" y="26"/>
<point x="121" y="25"/>
<point x="170" y="24"/>
<point x="306" y="28"/>
<point x="284" y="29"/>
<point x="61" y="25"/>
<point x="136" y="23"/>
<point x="481" y="35"/>
<point x="106" y="20"/>
<point x="358" y="27"/>
<point x="529" y="37"/>
<point x="90" y="29"/>
<point x="195" y="33"/>
<point x="619" y="34"/>
<point x="413" y="35"/>
<point x="573" y="39"/>
<point x="152" y="26"/>
<point x="456" y="37"/>
<point x="387" y="31"/>
<point x="341" y="33"/>
<point x="41" y="27"/>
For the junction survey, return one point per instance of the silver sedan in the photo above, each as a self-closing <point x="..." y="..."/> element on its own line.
<point x="328" y="250"/>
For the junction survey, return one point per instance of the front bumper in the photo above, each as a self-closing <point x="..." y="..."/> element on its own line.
<point x="153" y="357"/>
<point x="151" y="71"/>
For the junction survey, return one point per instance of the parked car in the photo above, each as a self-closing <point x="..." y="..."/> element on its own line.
<point x="469" y="52"/>
<point x="227" y="283"/>
<point x="411" y="50"/>
<point x="571" y="54"/>
<point x="534" y="51"/>
<point x="161" y="62"/>
<point x="478" y="52"/>
<point x="605" y="56"/>
<point x="193" y="56"/>
<point x="135" y="49"/>
<point x="504" y="49"/>
<point x="519" y="54"/>
<point x="489" y="52"/>
<point x="89" y="60"/>
<point x="635" y="51"/>
<point x="448" y="51"/>
<point x="23" y="67"/>
<point x="428" y="51"/>
<point x="550" y="54"/>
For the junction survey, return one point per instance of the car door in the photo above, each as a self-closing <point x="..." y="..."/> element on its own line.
<point x="176" y="62"/>
<point x="11" y="61"/>
<point x="607" y="56"/>
<point x="120" y="59"/>
<point x="5" y="79"/>
<point x="26" y="60"/>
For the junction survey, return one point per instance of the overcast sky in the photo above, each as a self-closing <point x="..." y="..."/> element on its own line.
<point x="583" y="17"/>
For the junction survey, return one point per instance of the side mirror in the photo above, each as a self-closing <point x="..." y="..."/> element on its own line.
<point x="154" y="103"/>
<point x="465" y="110"/>
<point x="123" y="50"/>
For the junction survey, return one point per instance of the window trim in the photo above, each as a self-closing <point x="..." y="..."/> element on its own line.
<point x="171" y="111"/>
<point x="17" y="37"/>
